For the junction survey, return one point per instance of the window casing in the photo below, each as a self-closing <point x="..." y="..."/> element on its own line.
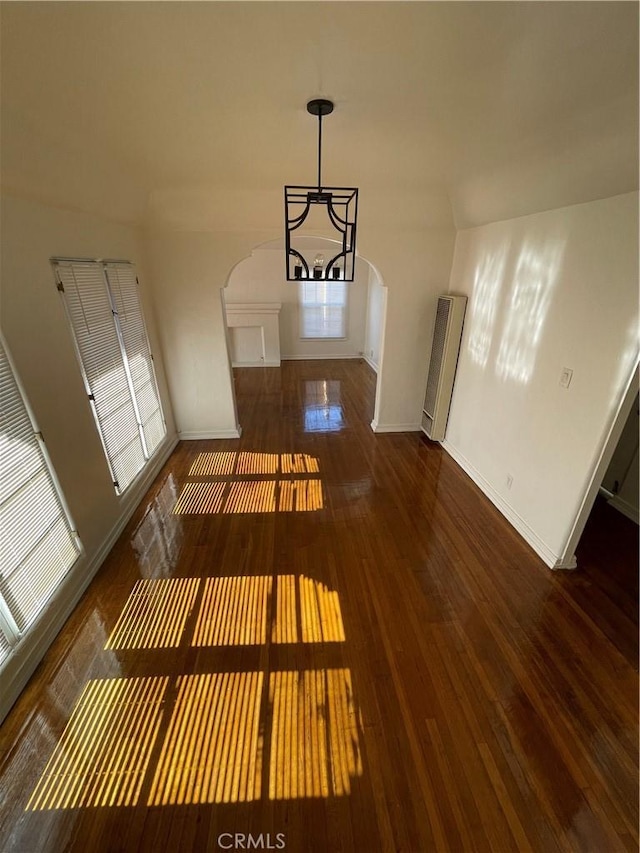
<point x="323" y="309"/>
<point x="38" y="544"/>
<point x="103" y="305"/>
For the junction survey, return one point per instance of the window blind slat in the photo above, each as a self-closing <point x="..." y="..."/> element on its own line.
<point x="35" y="504"/>
<point x="124" y="289"/>
<point x="18" y="462"/>
<point x="29" y="588"/>
<point x="323" y="309"/>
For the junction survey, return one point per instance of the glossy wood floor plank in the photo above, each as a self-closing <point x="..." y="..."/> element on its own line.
<point x="347" y="645"/>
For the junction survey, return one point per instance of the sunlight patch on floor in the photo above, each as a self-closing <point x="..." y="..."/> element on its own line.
<point x="155" y="614"/>
<point x="214" y="744"/>
<point x="251" y="496"/>
<point x="315" y="749"/>
<point x="212" y="737"/>
<point x="212" y="749"/>
<point x="103" y="754"/>
<point x="226" y="463"/>
<point x="283" y="485"/>
<point x="199" y="498"/>
<point x="321" y="619"/>
<point x="233" y="611"/>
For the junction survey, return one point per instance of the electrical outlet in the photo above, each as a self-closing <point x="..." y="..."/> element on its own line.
<point x="509" y="481"/>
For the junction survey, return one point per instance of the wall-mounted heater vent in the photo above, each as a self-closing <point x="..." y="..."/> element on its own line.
<point x="442" y="367"/>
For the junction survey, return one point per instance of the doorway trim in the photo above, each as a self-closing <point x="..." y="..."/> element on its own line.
<point x="278" y="245"/>
<point x="568" y="558"/>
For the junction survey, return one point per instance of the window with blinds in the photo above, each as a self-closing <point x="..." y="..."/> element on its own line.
<point x="323" y="309"/>
<point x="103" y="306"/>
<point x="37" y="543"/>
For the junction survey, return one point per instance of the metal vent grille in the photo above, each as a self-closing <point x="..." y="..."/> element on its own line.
<point x="437" y="352"/>
<point x="427" y="423"/>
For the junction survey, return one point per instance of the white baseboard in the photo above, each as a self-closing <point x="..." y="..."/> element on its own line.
<point x="541" y="548"/>
<point x="255" y="364"/>
<point x="30" y="650"/>
<point x="625" y="508"/>
<point x="371" y="363"/>
<point x="378" y="427"/>
<point x="318" y="357"/>
<point x="198" y="435"/>
<point x="569" y="564"/>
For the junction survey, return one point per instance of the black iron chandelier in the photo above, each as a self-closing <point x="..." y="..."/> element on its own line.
<point x="341" y="207"/>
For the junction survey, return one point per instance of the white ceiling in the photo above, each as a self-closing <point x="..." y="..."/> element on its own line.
<point x="503" y="108"/>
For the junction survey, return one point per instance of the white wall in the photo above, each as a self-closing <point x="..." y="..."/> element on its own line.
<point x="49" y="165"/>
<point x="415" y="268"/>
<point x="37" y="334"/>
<point x="552" y="290"/>
<point x="376" y="302"/>
<point x="195" y="241"/>
<point x="188" y="271"/>
<point x="261" y="278"/>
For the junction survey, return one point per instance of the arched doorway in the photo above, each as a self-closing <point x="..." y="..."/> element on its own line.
<point x="256" y="289"/>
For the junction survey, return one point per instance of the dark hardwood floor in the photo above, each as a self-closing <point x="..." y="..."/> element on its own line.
<point x="319" y="639"/>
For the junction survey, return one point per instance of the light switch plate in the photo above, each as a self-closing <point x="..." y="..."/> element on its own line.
<point x="565" y="377"/>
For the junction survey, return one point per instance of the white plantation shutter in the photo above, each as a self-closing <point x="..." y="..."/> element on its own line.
<point x="323" y="309"/>
<point x="91" y="315"/>
<point x="37" y="544"/>
<point x="124" y="289"/>
<point x="108" y="327"/>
